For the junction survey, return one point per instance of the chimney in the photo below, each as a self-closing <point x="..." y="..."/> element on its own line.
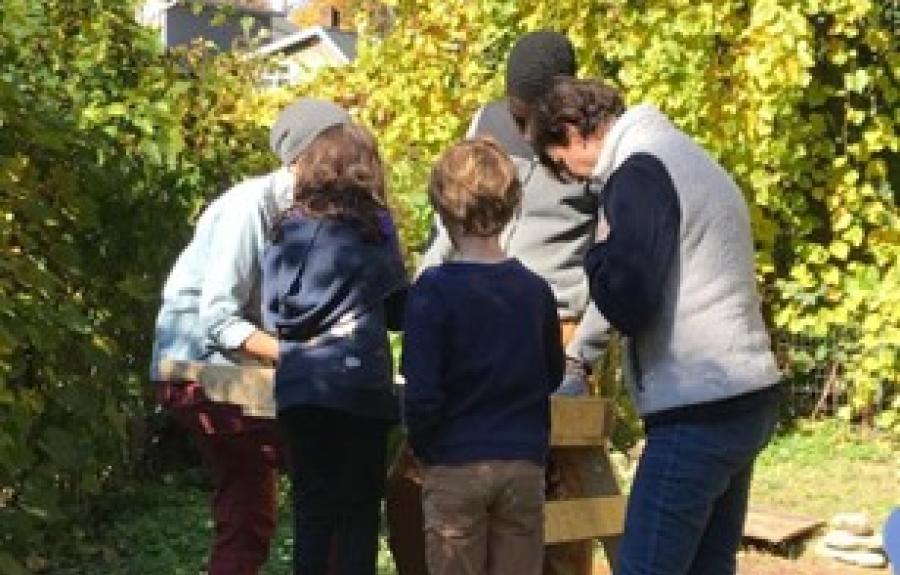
<point x="331" y="17"/>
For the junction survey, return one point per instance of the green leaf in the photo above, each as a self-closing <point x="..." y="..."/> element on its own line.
<point x="117" y="110"/>
<point x="839" y="250"/>
<point x="858" y="80"/>
<point x="60" y="444"/>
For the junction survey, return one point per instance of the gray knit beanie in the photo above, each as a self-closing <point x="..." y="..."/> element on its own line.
<point x="535" y="60"/>
<point x="299" y="124"/>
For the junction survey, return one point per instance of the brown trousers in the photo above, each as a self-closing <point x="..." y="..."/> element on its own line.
<point x="403" y="493"/>
<point x="484" y="518"/>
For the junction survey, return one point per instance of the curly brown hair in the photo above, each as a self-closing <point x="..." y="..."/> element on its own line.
<point x="475" y="188"/>
<point x="584" y="104"/>
<point x="340" y="175"/>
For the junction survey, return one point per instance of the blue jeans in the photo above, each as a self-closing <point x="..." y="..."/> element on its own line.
<point x="688" y="502"/>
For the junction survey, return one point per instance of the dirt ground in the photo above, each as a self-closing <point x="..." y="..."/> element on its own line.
<point x="761" y="563"/>
<point x="753" y="562"/>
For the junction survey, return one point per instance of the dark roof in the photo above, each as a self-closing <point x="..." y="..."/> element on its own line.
<point x="345" y="41"/>
<point x="282" y="27"/>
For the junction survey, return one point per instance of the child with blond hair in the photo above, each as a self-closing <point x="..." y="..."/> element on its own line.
<point x="482" y="353"/>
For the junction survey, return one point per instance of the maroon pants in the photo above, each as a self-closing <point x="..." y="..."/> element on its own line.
<point x="243" y="454"/>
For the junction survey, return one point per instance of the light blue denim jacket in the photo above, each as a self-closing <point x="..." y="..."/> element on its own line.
<point x="211" y="299"/>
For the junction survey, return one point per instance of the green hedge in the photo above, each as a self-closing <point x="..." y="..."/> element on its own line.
<point x="108" y="149"/>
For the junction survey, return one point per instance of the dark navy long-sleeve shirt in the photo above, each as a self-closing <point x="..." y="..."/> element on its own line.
<point x="627" y="270"/>
<point x="482" y="352"/>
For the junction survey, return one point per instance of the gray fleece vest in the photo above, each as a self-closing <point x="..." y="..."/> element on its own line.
<point x="708" y="342"/>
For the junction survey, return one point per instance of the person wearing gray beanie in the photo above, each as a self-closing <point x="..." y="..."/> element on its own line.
<point x="550" y="234"/>
<point x="299" y="124"/>
<point x="211" y="313"/>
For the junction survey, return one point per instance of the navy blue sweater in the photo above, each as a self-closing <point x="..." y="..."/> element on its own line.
<point x="482" y="352"/>
<point x="627" y="271"/>
<point x="328" y="294"/>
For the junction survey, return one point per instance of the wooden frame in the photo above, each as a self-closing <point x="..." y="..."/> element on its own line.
<point x="250" y="387"/>
<point x="583" y="518"/>
<point x="576" y="422"/>
<point x="580" y="421"/>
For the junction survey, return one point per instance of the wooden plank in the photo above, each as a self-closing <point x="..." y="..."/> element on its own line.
<point x="583" y="518"/>
<point x="575" y="421"/>
<point x="580" y="421"/>
<point x="777" y="528"/>
<point x="250" y="387"/>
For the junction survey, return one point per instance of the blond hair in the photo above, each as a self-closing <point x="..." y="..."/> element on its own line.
<point x="474" y="188"/>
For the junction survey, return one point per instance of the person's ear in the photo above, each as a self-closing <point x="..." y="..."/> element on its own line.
<point x="604" y="128"/>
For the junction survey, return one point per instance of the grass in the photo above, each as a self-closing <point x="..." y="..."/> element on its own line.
<point x="163" y="527"/>
<point x="822" y="468"/>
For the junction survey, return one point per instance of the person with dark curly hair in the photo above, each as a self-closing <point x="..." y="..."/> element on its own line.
<point x="672" y="270"/>
<point x="333" y="284"/>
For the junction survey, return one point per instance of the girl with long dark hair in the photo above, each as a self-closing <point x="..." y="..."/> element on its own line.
<point x="333" y="285"/>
